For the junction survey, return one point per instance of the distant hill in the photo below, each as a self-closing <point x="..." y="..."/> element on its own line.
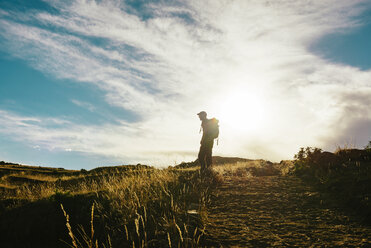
<point x="217" y="160"/>
<point x="9" y="167"/>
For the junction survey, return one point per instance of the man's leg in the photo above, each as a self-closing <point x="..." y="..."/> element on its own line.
<point x="209" y="158"/>
<point x="201" y="157"/>
<point x="208" y="154"/>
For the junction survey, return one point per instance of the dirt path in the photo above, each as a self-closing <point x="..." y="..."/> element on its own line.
<point x="278" y="211"/>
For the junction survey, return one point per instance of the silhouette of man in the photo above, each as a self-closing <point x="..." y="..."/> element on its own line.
<point x="207" y="140"/>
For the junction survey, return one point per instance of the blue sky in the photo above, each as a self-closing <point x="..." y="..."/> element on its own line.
<point x="351" y="47"/>
<point x="93" y="83"/>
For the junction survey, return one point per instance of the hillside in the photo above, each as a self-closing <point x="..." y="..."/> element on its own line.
<point x="239" y="203"/>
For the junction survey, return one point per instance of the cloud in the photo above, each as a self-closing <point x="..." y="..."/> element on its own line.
<point x="82" y="104"/>
<point x="131" y="142"/>
<point x="190" y="56"/>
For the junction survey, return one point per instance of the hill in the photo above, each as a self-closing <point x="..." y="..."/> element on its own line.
<point x="239" y="203"/>
<point x="217" y="160"/>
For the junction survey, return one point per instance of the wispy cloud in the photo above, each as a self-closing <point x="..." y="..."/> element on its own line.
<point x="82" y="104"/>
<point x="187" y="56"/>
<point x="116" y="141"/>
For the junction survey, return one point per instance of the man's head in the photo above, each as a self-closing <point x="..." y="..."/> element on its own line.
<point x="202" y="115"/>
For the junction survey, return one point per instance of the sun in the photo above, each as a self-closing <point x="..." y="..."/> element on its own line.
<point x="242" y="111"/>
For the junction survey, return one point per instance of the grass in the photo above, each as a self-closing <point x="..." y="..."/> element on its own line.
<point x="133" y="206"/>
<point x="248" y="168"/>
<point x="140" y="206"/>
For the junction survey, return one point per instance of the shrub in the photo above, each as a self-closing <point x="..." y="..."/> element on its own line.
<point x="345" y="174"/>
<point x="368" y="147"/>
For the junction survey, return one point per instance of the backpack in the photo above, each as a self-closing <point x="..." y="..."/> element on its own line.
<point x="213" y="128"/>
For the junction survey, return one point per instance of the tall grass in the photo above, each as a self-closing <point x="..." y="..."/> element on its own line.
<point x="133" y="206"/>
<point x="156" y="208"/>
<point x="248" y="169"/>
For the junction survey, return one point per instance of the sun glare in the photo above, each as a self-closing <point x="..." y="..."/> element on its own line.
<point x="242" y="112"/>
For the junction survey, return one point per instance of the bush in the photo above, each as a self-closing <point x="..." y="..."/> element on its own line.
<point x="368" y="147"/>
<point x="345" y="174"/>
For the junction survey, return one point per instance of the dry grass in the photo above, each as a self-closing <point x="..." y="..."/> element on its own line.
<point x="346" y="146"/>
<point x="147" y="207"/>
<point x="236" y="168"/>
<point x="248" y="168"/>
<point x="141" y="207"/>
<point x="151" y="207"/>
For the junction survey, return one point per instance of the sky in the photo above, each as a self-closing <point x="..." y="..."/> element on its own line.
<point x="96" y="83"/>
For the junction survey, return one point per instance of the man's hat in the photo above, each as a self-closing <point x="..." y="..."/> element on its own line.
<point x="202" y="113"/>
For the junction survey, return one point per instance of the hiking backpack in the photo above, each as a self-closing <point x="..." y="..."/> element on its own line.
<point x="213" y="128"/>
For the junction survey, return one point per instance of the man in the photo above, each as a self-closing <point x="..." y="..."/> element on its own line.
<point x="210" y="130"/>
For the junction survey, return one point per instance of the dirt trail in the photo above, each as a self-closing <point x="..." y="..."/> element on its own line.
<point x="278" y="211"/>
